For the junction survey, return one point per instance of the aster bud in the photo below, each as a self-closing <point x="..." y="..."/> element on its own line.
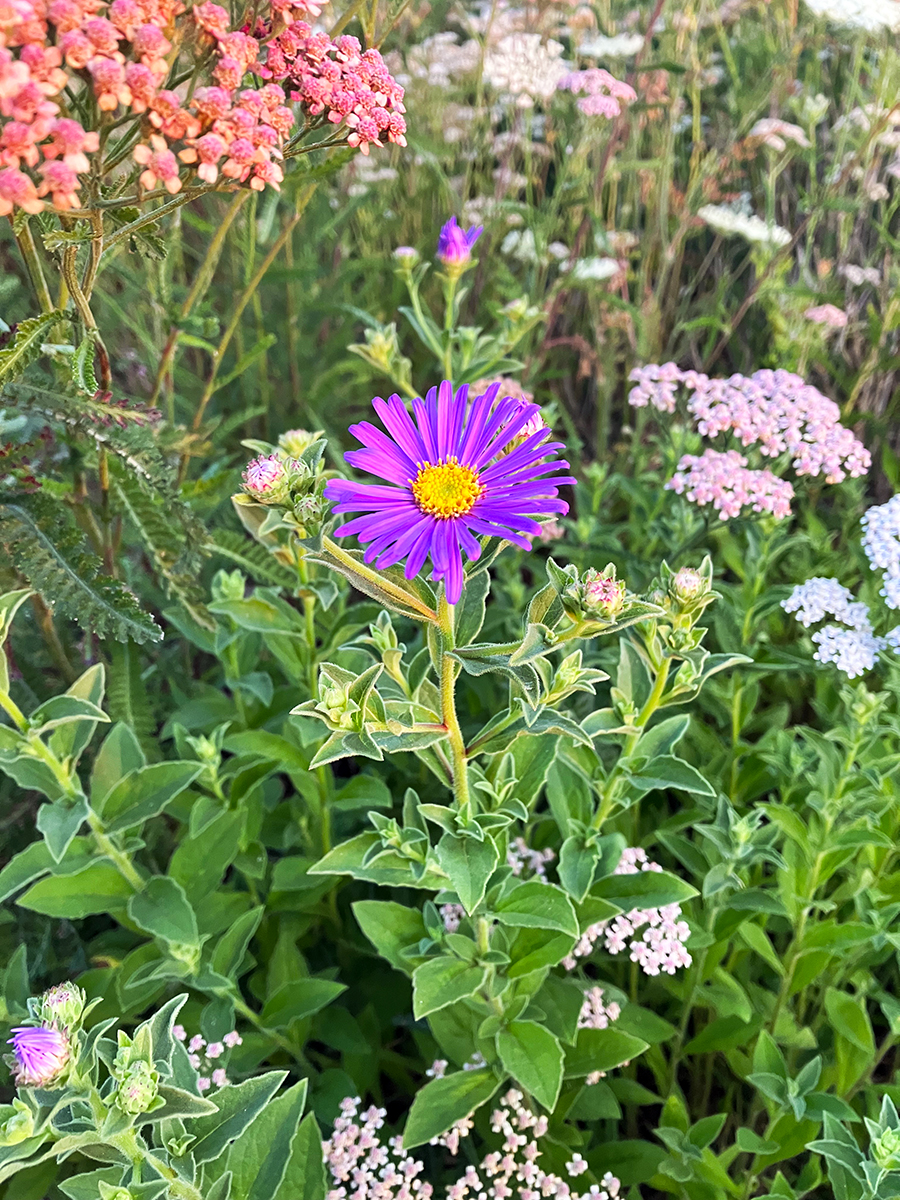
<point x="295" y="441"/>
<point x="603" y="595"/>
<point x="406" y="257"/>
<point x="109" y="1191"/>
<point x="17" y="1127"/>
<point x="62" y="1006"/>
<point x="454" y="247"/>
<point x="138" y="1088"/>
<point x="688" y="583"/>
<point x="266" y="479"/>
<point x="886" y="1150"/>
<point x="41" y="1056"/>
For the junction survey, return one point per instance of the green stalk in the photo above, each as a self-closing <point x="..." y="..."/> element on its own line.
<point x="448" y="672"/>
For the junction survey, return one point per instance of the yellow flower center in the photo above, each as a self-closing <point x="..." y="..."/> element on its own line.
<point x="446" y="489"/>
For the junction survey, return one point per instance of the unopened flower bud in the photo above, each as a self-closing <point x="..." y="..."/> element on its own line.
<point x="455" y="245"/>
<point x="62" y="1005"/>
<point x="41" y="1055"/>
<point x="137" y="1089"/>
<point x="109" y="1192"/>
<point x="295" y="441"/>
<point x="19" y="1126"/>
<point x="886" y="1149"/>
<point x="688" y="583"/>
<point x="604" y="597"/>
<point x="406" y="257"/>
<point x="266" y="479"/>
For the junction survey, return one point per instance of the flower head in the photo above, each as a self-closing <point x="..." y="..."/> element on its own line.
<point x="455" y="244"/>
<point x="266" y="479"/>
<point x="62" y="1006"/>
<point x="41" y="1055"/>
<point x="451" y="481"/>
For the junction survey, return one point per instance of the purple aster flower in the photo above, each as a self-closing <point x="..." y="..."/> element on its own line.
<point x="455" y="244"/>
<point x="459" y="467"/>
<point x="41" y="1055"/>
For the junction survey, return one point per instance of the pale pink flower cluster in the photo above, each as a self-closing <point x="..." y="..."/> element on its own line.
<point x="362" y="1166"/>
<point x="451" y="915"/>
<point x="340" y="81"/>
<point x="661" y="945"/>
<point x="723" y="479"/>
<point x="356" y="1156"/>
<point x="775" y="133"/>
<point x="203" y="1055"/>
<point x="595" y="1014"/>
<point x="523" y="860"/>
<point x="775" y="411"/>
<point x="602" y="95"/>
<point x="827" y="314"/>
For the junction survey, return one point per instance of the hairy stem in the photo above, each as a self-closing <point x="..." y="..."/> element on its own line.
<point x="448" y="673"/>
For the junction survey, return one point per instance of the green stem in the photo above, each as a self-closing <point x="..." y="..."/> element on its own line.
<point x="406" y="599"/>
<point x="449" y="669"/>
<point x="118" y="857"/>
<point x="28" y="250"/>
<point x="611" y="787"/>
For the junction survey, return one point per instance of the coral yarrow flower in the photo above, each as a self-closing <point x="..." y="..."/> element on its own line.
<point x="458" y="467"/>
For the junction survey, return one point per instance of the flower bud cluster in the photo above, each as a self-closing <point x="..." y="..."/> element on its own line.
<point x="44" y="1052"/>
<point x="288" y="477"/>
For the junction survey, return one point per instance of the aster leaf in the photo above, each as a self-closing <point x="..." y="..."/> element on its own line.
<point x="477" y="662"/>
<point x="443" y="1102"/>
<point x="388" y="869"/>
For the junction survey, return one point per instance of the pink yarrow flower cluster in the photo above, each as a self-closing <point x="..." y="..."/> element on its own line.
<point x="356" y="1156"/>
<point x="775" y="412"/>
<point x="340" y="81"/>
<point x="654" y="937"/>
<point x="723" y="479"/>
<point x="602" y="95"/>
<point x="205" y="1055"/>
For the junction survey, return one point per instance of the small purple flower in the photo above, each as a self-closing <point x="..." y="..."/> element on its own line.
<point x="452" y="480"/>
<point x="41" y="1055"/>
<point x="455" y="244"/>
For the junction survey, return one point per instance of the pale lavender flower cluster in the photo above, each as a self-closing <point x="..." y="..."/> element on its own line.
<point x="881" y="542"/>
<point x="661" y="945"/>
<point x="203" y="1055"/>
<point x="776" y="412"/>
<point x="723" y="479"/>
<point x="602" y="95"/>
<point x="819" y="598"/>
<point x="523" y="860"/>
<point x="852" y="645"/>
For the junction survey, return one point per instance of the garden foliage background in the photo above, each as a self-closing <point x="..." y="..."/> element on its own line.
<point x="463" y="855"/>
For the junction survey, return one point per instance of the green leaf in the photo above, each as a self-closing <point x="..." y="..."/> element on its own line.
<point x="299" y="999"/>
<point x="59" y="710"/>
<point x="439" y="982"/>
<point x="534" y="1058"/>
<point x="83" y="364"/>
<point x="560" y="1000"/>
<point x="576" y="867"/>
<point x="259" y="1158"/>
<point x="388" y="869"/>
<point x="646" y="889"/>
<point x="46" y="548"/>
<point x="161" y="908"/>
<point x="601" y="1050"/>
<point x="304" y="1176"/>
<point x="71" y="739"/>
<point x="145" y="793"/>
<point x="237" y="1106"/>
<point x="469" y="865"/>
<point x="443" y="1102"/>
<point x="118" y="756"/>
<point x="666" y="771"/>
<point x="59" y="824"/>
<point x="99" y="888"/>
<point x="390" y="927"/>
<point x="232" y="946"/>
<point x="181" y="1103"/>
<point x="534" y="905"/>
<point x="23" y="868"/>
<point x="25" y="345"/>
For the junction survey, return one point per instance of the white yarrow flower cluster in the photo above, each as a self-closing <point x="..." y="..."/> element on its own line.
<point x="525" y="67"/>
<point x="622" y="45"/>
<point x="728" y="221"/>
<point x="881" y="542"/>
<point x="873" y="15"/>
